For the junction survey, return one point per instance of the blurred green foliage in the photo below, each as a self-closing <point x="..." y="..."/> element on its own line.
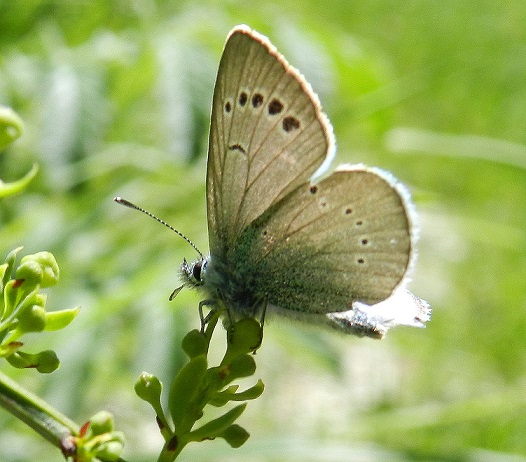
<point x="115" y="99"/>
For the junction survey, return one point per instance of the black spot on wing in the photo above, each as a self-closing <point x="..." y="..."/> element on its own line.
<point x="290" y="124"/>
<point x="237" y="147"/>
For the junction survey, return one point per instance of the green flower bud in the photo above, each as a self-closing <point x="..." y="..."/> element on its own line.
<point x="195" y="343"/>
<point x="44" y="362"/>
<point x="244" y="336"/>
<point x="32" y="319"/>
<point x="48" y="362"/>
<point x="149" y="389"/>
<point x="111" y="450"/>
<point x="102" y="422"/>
<point x="40" y="267"/>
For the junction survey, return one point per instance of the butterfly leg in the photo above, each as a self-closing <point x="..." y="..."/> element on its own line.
<point x="206" y="319"/>
<point x="262" y="320"/>
<point x="263" y="313"/>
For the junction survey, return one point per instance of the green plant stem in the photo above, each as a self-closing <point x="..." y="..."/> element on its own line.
<point x="35" y="412"/>
<point x="169" y="455"/>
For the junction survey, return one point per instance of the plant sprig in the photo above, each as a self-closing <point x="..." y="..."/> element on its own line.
<point x="197" y="385"/>
<point x="23" y="310"/>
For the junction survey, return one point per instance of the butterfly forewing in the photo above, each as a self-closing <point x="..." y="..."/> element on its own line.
<point x="267" y="136"/>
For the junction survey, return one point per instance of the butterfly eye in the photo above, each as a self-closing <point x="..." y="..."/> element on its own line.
<point x="196" y="271"/>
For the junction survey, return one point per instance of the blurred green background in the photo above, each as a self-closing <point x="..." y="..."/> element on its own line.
<point x="115" y="96"/>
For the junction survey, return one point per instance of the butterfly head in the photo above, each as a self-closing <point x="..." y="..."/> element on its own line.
<point x="193" y="273"/>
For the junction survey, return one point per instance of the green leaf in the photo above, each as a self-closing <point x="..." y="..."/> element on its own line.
<point x="220" y="376"/>
<point x="242" y="366"/>
<point x="12" y="295"/>
<point x="186" y="387"/>
<point x="216" y="427"/>
<point x="20" y="296"/>
<point x="235" y="435"/>
<point x="8" y="189"/>
<point x="250" y="393"/>
<point x="56" y="320"/>
<point x="3" y="272"/>
<point x="221" y="398"/>
<point x="10" y="262"/>
<point x="44" y="362"/>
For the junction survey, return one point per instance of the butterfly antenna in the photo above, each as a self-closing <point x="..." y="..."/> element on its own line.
<point x="126" y="203"/>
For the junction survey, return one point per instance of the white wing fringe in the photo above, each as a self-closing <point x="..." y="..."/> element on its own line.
<point x="401" y="308"/>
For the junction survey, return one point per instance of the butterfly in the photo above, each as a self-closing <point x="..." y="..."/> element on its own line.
<point x="286" y="237"/>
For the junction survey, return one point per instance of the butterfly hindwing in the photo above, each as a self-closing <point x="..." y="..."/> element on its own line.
<point x="326" y="245"/>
